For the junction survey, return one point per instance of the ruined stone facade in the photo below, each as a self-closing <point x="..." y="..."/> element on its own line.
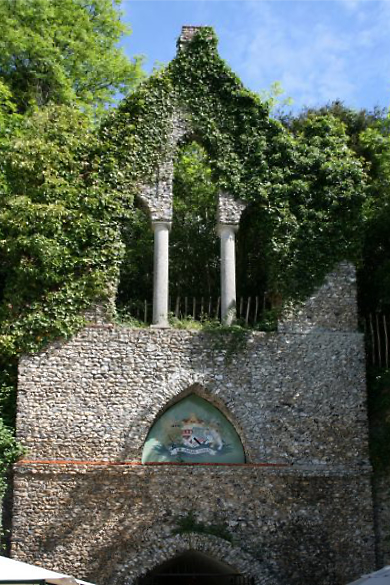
<point x="299" y="510"/>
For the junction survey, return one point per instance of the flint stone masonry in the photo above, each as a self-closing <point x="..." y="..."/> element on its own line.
<point x="298" y="512"/>
<point x="157" y="195"/>
<point x="187" y="34"/>
<point x="332" y="307"/>
<point x="229" y="210"/>
<point x="292" y="398"/>
<point x="111" y="524"/>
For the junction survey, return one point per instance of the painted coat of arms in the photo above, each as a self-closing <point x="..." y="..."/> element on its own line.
<point x="193" y="431"/>
<point x="193" y="436"/>
<point x="198" y="436"/>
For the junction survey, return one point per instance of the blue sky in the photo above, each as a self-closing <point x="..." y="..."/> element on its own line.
<point x="318" y="50"/>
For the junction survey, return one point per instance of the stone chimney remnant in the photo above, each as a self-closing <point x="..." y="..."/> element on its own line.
<point x="187" y="34"/>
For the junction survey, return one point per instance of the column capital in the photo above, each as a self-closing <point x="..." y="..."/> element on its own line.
<point x="227" y="227"/>
<point x="161" y="224"/>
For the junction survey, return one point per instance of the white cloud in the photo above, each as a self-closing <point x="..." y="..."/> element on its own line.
<point x="319" y="51"/>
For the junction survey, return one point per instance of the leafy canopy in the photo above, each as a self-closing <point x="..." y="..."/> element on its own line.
<point x="63" y="51"/>
<point x="369" y="138"/>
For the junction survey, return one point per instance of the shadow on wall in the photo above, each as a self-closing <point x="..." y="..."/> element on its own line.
<point x="131" y="516"/>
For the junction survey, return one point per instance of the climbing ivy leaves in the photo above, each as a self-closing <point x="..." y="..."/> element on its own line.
<point x="306" y="187"/>
<point x="70" y="190"/>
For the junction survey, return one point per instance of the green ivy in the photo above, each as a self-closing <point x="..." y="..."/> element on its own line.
<point x="306" y="188"/>
<point x="67" y="191"/>
<point x="189" y="523"/>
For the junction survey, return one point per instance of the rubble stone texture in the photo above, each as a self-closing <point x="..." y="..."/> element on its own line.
<point x="298" y="512"/>
<point x="229" y="210"/>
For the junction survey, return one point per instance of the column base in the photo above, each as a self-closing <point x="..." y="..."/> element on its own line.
<point x="160" y="326"/>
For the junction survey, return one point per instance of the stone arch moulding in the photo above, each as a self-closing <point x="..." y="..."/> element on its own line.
<point x="194" y="427"/>
<point x="166" y="549"/>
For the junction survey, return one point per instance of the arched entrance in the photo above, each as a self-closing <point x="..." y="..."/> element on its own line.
<point x="194" y="568"/>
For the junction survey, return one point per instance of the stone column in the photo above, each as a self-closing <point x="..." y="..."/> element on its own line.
<point x="228" y="272"/>
<point x="160" y="274"/>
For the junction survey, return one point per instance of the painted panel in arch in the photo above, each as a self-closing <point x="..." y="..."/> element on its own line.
<point x="193" y="431"/>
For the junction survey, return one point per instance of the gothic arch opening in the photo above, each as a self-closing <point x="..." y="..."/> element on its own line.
<point x="193" y="431"/>
<point x="194" y="243"/>
<point x="194" y="568"/>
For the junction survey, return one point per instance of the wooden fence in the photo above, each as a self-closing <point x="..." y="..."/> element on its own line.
<point x="377" y="330"/>
<point x="249" y="309"/>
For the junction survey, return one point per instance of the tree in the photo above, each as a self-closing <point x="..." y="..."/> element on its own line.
<point x="64" y="51"/>
<point x="374" y="274"/>
<point x="59" y="218"/>
<point x="369" y="137"/>
<point x="193" y="242"/>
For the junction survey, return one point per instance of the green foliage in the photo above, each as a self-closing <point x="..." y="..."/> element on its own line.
<point x="231" y="339"/>
<point x="273" y="98"/>
<point x="59" y="242"/>
<point x="63" y="51"/>
<point x="306" y="187"/>
<point x="194" y="243"/>
<point x="193" y="246"/>
<point x="355" y="122"/>
<point x="188" y="323"/>
<point x="67" y="188"/>
<point x="374" y="275"/>
<point x="368" y="134"/>
<point x="319" y="219"/>
<point x="59" y="230"/>
<point x="378" y="381"/>
<point x="9" y="451"/>
<point x="136" y="271"/>
<point x="189" y="523"/>
<point x="60" y="215"/>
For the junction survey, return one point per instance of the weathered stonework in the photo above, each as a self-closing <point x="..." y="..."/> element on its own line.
<point x="187" y="34"/>
<point x="229" y="209"/>
<point x="158" y="195"/>
<point x="332" y="307"/>
<point x="292" y="398"/>
<point x="110" y="524"/>
<point x="298" y="512"/>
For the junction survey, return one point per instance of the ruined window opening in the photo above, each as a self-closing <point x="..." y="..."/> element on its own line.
<point x="194" y="243"/>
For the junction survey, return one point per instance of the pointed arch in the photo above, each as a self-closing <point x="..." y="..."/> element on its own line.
<point x="193" y="429"/>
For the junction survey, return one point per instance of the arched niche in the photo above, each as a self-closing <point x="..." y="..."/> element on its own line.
<point x="193" y="431"/>
<point x="193" y="567"/>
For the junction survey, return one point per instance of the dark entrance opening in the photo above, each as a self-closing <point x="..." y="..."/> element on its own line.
<point x="194" y="568"/>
